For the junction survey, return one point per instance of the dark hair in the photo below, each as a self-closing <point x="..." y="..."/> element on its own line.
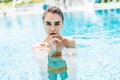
<point x="54" y="9"/>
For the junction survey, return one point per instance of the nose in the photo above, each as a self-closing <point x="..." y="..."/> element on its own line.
<point x="52" y="28"/>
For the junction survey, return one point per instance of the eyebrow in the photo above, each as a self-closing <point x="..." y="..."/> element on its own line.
<point x="54" y="22"/>
<point x="47" y="22"/>
<point x="57" y="22"/>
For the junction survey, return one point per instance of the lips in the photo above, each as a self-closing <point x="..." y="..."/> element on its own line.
<point x="53" y="33"/>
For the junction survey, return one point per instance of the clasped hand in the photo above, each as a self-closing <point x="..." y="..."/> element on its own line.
<point x="54" y="42"/>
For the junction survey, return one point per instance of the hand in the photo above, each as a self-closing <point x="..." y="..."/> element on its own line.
<point x="41" y="47"/>
<point x="53" y="41"/>
<point x="56" y="39"/>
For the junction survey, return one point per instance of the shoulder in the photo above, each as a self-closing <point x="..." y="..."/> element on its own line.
<point x="69" y="42"/>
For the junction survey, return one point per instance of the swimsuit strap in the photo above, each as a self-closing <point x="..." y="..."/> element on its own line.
<point x="57" y="54"/>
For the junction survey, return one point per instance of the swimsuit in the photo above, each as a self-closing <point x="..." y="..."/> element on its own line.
<point x="56" y="65"/>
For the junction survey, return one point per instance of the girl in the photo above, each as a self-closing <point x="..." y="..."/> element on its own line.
<point x="54" y="42"/>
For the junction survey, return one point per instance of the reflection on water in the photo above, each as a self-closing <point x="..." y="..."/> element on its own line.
<point x="57" y="65"/>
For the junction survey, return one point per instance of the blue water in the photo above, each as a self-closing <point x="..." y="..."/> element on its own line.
<point x="97" y="34"/>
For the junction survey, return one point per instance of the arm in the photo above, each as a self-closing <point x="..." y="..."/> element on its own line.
<point x="40" y="50"/>
<point x="70" y="47"/>
<point x="41" y="46"/>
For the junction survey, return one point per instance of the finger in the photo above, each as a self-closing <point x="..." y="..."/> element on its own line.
<point x="53" y="36"/>
<point x="44" y="44"/>
<point x="56" y="39"/>
<point x="51" y="39"/>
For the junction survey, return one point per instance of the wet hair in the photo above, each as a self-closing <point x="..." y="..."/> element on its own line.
<point x="55" y="10"/>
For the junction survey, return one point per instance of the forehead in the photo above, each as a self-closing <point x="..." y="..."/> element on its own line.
<point x="52" y="17"/>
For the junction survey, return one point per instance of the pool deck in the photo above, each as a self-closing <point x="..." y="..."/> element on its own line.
<point x="112" y="5"/>
<point x="37" y="9"/>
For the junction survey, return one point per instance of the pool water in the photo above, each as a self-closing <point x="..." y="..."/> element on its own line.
<point x="97" y="34"/>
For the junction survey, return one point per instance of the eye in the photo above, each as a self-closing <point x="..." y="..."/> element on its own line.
<point x="48" y="23"/>
<point x="57" y="23"/>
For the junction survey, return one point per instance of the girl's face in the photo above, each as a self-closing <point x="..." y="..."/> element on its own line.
<point x="52" y="24"/>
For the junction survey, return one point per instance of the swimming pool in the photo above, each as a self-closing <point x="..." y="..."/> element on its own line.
<point x="97" y="34"/>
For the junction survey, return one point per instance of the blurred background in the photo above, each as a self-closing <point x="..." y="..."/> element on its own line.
<point x="8" y="6"/>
